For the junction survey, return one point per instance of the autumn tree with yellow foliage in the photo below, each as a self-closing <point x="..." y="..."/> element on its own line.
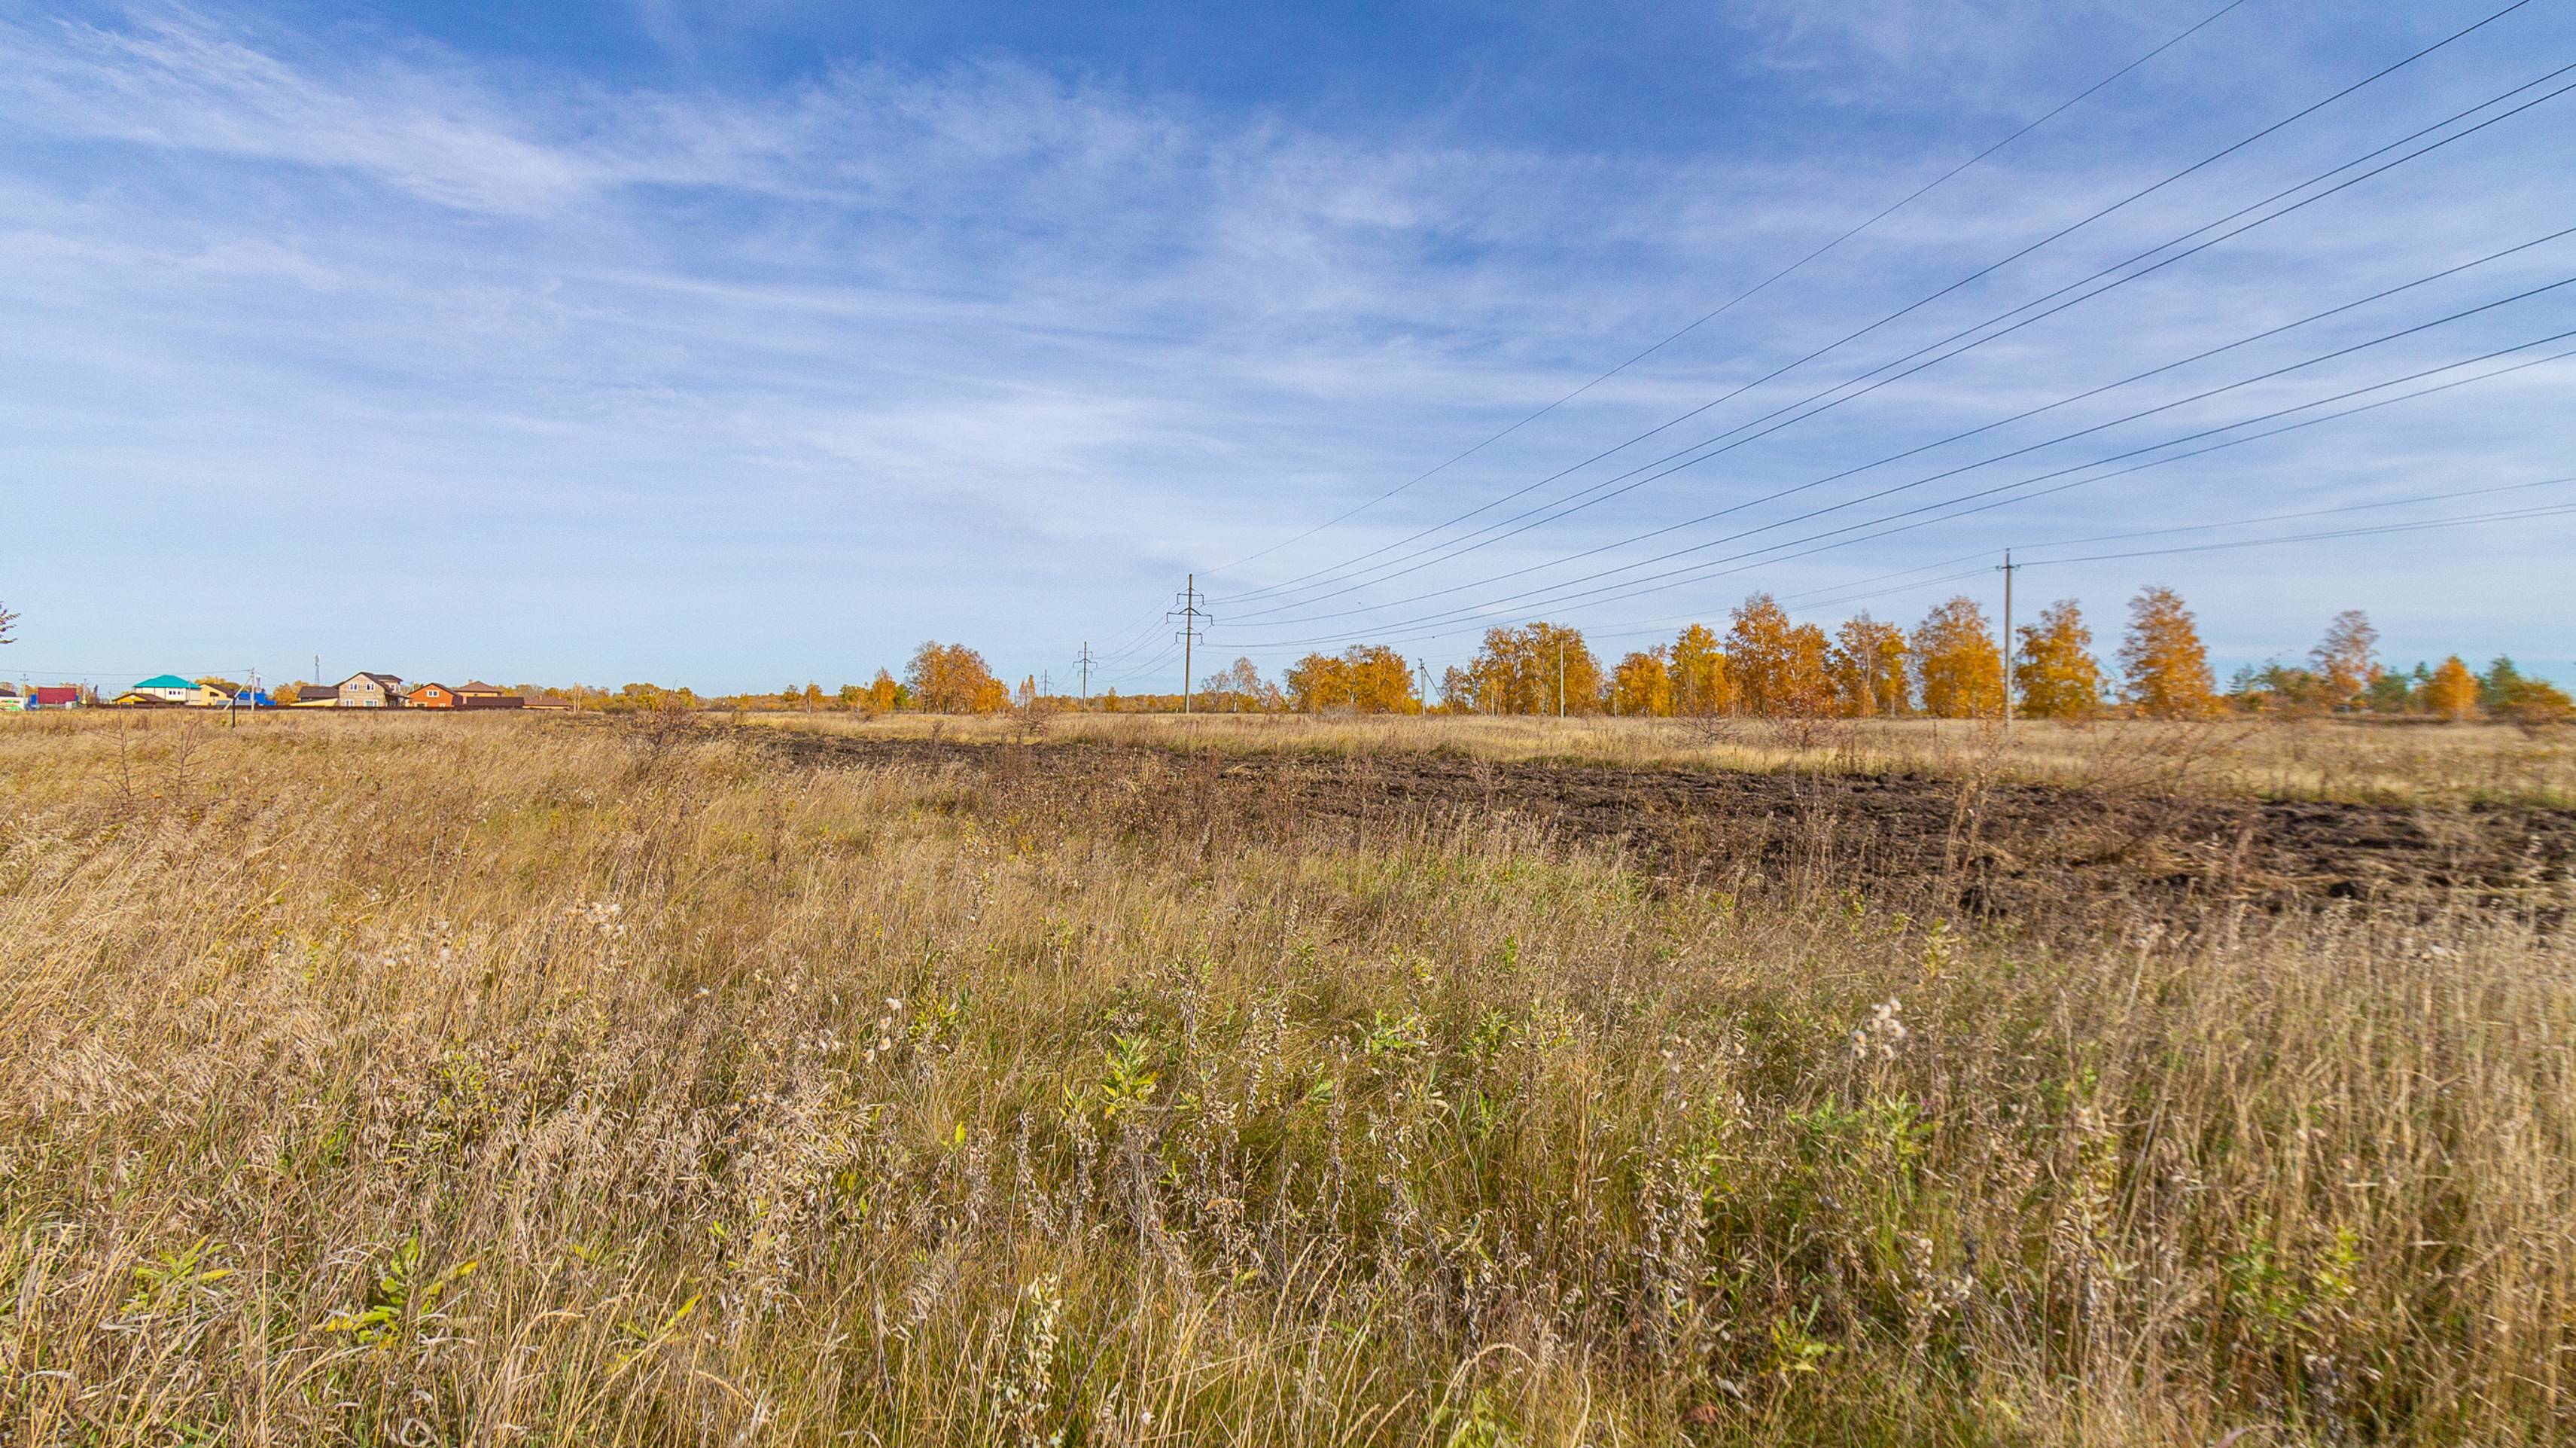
<point x="2054" y="671"/>
<point x="1642" y="686"/>
<point x="2452" y="692"/>
<point x="954" y="679"/>
<point x="2164" y="669"/>
<point x="1697" y="665"/>
<point x="2346" y="661"/>
<point x="1365" y="678"/>
<point x="1527" y="670"/>
<point x="1958" y="671"/>
<point x="1779" y="668"/>
<point x="1868" y="666"/>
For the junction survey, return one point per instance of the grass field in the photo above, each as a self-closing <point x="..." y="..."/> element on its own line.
<point x="503" y="1080"/>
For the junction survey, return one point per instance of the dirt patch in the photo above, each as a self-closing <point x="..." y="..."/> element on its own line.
<point x="1995" y="849"/>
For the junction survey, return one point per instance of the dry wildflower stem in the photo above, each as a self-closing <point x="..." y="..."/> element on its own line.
<point x="487" y="1081"/>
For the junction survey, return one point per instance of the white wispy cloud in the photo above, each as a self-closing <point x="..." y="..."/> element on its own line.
<point x="986" y="348"/>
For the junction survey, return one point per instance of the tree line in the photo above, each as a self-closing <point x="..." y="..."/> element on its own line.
<point x="1761" y="664"/>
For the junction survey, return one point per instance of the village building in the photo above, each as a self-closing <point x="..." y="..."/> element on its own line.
<point x="11" y="701"/>
<point x="55" y="696"/>
<point x="168" y="688"/>
<point x="476" y="694"/>
<point x="371" y="691"/>
<point x="430" y="696"/>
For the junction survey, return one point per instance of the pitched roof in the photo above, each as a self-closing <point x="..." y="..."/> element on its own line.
<point x="167" y="681"/>
<point x="477" y="686"/>
<point x="388" y="680"/>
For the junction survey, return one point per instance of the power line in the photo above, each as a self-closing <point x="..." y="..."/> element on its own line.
<point x="1665" y="466"/>
<point x="1426" y="626"/>
<point x="1946" y="473"/>
<point x="1833" y="594"/>
<point x="2414" y="526"/>
<point x="1755" y="290"/>
<point x="2062" y="232"/>
<point x="2553" y="511"/>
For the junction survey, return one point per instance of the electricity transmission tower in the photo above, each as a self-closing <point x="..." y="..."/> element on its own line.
<point x="1187" y="610"/>
<point x="1084" y="661"/>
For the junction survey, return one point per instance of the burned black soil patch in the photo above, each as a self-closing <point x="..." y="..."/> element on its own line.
<point x="2000" y="849"/>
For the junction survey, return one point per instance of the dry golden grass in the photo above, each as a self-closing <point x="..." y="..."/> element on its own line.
<point x="503" y="1080"/>
<point x="2359" y="761"/>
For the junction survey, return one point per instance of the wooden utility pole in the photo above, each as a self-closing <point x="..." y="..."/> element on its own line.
<point x="2007" y="571"/>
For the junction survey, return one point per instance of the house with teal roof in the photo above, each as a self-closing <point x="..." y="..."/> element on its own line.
<point x="168" y="686"/>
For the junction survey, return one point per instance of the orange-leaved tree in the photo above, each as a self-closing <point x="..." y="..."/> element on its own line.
<point x="1956" y="666"/>
<point x="1317" y="682"/>
<point x="1869" y="668"/>
<point x="1642" y="686"/>
<point x="2054" y="671"/>
<point x="2346" y="660"/>
<point x="954" y="679"/>
<point x="1366" y="678"/>
<point x="2164" y="670"/>
<point x="2452" y="692"/>
<point x="1537" y="668"/>
<point x="1697" y="663"/>
<point x="1779" y="668"/>
<point x="1381" y="681"/>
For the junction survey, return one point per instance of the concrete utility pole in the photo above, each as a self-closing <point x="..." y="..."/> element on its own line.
<point x="1085" y="661"/>
<point x="1189" y="613"/>
<point x="1560" y="678"/>
<point x="1424" y="665"/>
<point x="2007" y="571"/>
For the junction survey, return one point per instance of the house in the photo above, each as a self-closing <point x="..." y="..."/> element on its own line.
<point x="11" y="701"/>
<point x="315" y="696"/>
<point x="479" y="695"/>
<point x="169" y="688"/>
<point x="431" y="696"/>
<point x="142" y="699"/>
<point x="55" y="696"/>
<point x="364" y="690"/>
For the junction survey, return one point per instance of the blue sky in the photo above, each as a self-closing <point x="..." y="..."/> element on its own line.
<point x="751" y="344"/>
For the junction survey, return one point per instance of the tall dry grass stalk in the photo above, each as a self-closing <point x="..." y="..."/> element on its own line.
<point x="480" y="1081"/>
